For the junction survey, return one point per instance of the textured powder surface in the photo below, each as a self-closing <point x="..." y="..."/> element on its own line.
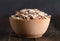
<point x="31" y="14"/>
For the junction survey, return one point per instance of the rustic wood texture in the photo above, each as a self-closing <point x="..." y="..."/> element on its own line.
<point x="13" y="37"/>
<point x="53" y="38"/>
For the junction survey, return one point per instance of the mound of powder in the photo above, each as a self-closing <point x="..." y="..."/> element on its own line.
<point x="31" y="14"/>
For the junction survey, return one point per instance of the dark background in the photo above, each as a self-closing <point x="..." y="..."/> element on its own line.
<point x="52" y="7"/>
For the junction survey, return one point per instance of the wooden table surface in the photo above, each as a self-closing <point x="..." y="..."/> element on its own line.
<point x="12" y="37"/>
